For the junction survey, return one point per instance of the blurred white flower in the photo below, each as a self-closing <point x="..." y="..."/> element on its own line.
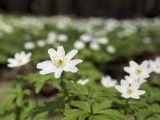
<point x="111" y="49"/>
<point x="129" y="90"/>
<point x="41" y="43"/>
<point x="147" y="40"/>
<point x="62" y="38"/>
<point x="85" y="38"/>
<point x="59" y="62"/>
<point x="134" y="79"/>
<point x="19" y="59"/>
<point x="108" y="82"/>
<point x="103" y="40"/>
<point x="29" y="45"/>
<point x="79" y="45"/>
<point x="94" y="45"/>
<point x="51" y="39"/>
<point x="155" y="65"/>
<point x="141" y="71"/>
<point x="83" y="82"/>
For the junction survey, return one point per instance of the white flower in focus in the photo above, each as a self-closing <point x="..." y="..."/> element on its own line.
<point x="111" y="49"/>
<point x="85" y="38"/>
<point x="134" y="79"/>
<point x="108" y="82"/>
<point x="155" y="65"/>
<point x="41" y="43"/>
<point x="59" y="62"/>
<point x="62" y="38"/>
<point x="129" y="90"/>
<point x="29" y="45"/>
<point x="103" y="40"/>
<point x="94" y="46"/>
<point x="141" y="71"/>
<point x="19" y="59"/>
<point x="83" y="82"/>
<point x="79" y="45"/>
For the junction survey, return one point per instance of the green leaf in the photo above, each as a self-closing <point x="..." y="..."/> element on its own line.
<point x="81" y="105"/>
<point x="97" y="107"/>
<point x="75" y="89"/>
<point x="75" y="114"/>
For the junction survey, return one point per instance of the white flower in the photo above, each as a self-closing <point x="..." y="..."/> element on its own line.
<point x="111" y="49"/>
<point x="79" y="45"/>
<point x="85" y="38"/>
<point x="147" y="40"/>
<point x="129" y="90"/>
<point x="94" y="45"/>
<point x="59" y="62"/>
<point x="134" y="79"/>
<point x="83" y="82"/>
<point x="19" y="59"/>
<point x="51" y="39"/>
<point x="29" y="45"/>
<point x="108" y="82"/>
<point x="141" y="71"/>
<point x="103" y="40"/>
<point x="41" y="43"/>
<point x="62" y="38"/>
<point x="155" y="65"/>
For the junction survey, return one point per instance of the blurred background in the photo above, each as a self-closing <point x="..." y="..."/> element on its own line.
<point x="84" y="8"/>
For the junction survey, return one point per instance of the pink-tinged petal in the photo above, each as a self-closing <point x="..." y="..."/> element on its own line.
<point x="58" y="73"/>
<point x="52" y="53"/>
<point x="61" y="51"/>
<point x="71" y="54"/>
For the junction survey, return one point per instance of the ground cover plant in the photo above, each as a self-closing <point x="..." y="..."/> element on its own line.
<point x="55" y="68"/>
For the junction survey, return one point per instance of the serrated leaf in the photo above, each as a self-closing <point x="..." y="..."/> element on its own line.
<point x="81" y="105"/>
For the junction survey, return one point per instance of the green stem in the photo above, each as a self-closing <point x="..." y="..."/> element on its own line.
<point x="64" y="87"/>
<point x="125" y="107"/>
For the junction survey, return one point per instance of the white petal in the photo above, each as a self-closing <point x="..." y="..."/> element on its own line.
<point x="52" y="53"/>
<point x="61" y="51"/>
<point x="132" y="63"/>
<point x="58" y="73"/>
<point x="75" y="62"/>
<point x="71" y="54"/>
<point x="140" y="92"/>
<point x="46" y="66"/>
<point x="71" y="69"/>
<point x="127" y="69"/>
<point x="119" y="88"/>
<point x="135" y="86"/>
<point x="145" y="64"/>
<point x="125" y="95"/>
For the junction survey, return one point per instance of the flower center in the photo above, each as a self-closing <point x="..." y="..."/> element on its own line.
<point x="129" y="91"/>
<point x="138" y="71"/>
<point x="20" y="61"/>
<point x="60" y="62"/>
